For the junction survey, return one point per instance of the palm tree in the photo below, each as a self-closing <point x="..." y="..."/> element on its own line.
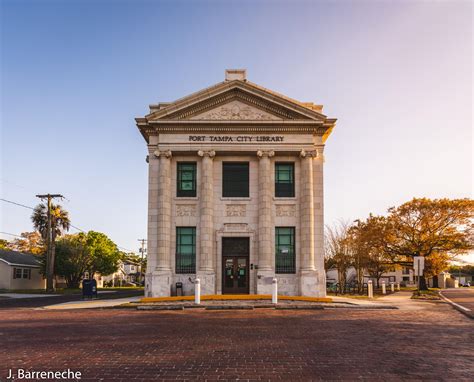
<point x="59" y="223"/>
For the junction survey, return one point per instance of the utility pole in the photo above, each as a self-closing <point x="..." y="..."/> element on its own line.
<point x="142" y="250"/>
<point x="49" y="239"/>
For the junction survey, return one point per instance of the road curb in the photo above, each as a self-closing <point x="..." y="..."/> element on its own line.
<point x="466" y="311"/>
<point x="260" y="306"/>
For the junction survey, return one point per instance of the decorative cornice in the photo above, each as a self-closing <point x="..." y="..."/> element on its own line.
<point x="207" y="153"/>
<point x="315" y="129"/>
<point x="267" y="153"/>
<point x="164" y="153"/>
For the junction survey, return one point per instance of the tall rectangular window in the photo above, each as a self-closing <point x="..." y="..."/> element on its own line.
<point x="235" y="179"/>
<point x="186" y="179"/>
<point x="285" y="250"/>
<point x="284" y="180"/>
<point x="185" y="249"/>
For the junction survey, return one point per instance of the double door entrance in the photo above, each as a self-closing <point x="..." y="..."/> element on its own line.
<point x="235" y="265"/>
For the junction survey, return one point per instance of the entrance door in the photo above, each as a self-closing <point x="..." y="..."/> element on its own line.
<point x="235" y="265"/>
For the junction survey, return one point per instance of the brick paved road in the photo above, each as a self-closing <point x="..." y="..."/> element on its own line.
<point x="125" y="345"/>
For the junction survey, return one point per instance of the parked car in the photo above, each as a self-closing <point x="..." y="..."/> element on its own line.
<point x="467" y="285"/>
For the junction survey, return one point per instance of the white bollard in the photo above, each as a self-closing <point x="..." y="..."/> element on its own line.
<point x="370" y="289"/>
<point x="384" y="288"/>
<point x="398" y="286"/>
<point x="197" y="291"/>
<point x="392" y="287"/>
<point x="274" y="291"/>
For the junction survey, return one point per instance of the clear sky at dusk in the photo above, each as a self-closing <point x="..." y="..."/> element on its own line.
<point x="75" y="74"/>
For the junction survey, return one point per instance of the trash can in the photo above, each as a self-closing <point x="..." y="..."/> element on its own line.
<point x="179" y="289"/>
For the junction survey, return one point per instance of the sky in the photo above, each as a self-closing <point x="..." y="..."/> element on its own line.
<point x="74" y="74"/>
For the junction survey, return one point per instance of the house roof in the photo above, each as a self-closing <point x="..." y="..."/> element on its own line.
<point x="19" y="258"/>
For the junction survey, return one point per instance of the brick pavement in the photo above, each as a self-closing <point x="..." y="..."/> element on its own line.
<point x="127" y="345"/>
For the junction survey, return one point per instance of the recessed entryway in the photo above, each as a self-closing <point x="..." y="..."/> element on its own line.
<point x="235" y="265"/>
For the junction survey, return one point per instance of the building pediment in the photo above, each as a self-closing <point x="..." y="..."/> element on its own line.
<point x="249" y="98"/>
<point x="231" y="105"/>
<point x="236" y="111"/>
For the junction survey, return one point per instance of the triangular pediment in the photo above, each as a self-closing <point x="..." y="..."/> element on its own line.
<point x="236" y="111"/>
<point x="234" y="101"/>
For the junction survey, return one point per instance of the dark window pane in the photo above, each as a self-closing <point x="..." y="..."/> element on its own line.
<point x="186" y="179"/>
<point x="235" y="179"/>
<point x="285" y="250"/>
<point x="284" y="180"/>
<point x="185" y="250"/>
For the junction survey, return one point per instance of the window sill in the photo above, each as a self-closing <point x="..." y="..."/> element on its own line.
<point x="230" y="199"/>
<point x="195" y="198"/>
<point x="285" y="198"/>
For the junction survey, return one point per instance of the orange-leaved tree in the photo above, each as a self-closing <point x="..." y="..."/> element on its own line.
<point x="425" y="227"/>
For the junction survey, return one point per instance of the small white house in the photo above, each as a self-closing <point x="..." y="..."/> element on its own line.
<point x="128" y="271"/>
<point x="20" y="271"/>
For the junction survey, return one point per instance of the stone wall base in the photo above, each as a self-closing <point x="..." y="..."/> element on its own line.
<point x="264" y="282"/>
<point x="311" y="285"/>
<point x="208" y="282"/>
<point x="158" y="284"/>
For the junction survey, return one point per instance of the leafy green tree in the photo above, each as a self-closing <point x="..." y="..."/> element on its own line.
<point x="72" y="259"/>
<point x="91" y="252"/>
<point x="103" y="252"/>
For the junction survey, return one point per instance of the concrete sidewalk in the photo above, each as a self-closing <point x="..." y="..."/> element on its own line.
<point x="87" y="304"/>
<point x="401" y="299"/>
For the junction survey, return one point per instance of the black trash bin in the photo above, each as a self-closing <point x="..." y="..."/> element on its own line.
<point x="179" y="289"/>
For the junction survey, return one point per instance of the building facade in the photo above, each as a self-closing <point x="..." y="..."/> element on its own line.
<point x="235" y="192"/>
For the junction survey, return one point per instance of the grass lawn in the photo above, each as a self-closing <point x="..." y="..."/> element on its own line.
<point x="430" y="294"/>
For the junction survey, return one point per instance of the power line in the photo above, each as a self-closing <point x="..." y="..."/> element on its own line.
<point x="17" y="204"/>
<point x="73" y="226"/>
<point x="10" y="234"/>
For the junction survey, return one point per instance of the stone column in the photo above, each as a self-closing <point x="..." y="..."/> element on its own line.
<point x="206" y="266"/>
<point x="308" y="275"/>
<point x="153" y="167"/>
<point x="161" y="285"/>
<point x="266" y="224"/>
<point x="318" y="182"/>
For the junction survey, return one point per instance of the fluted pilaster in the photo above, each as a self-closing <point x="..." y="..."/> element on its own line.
<point x="163" y="250"/>
<point x="206" y="216"/>
<point x="307" y="211"/>
<point x="265" y="215"/>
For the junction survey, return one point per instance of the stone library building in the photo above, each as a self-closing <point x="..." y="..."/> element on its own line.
<point x="235" y="192"/>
